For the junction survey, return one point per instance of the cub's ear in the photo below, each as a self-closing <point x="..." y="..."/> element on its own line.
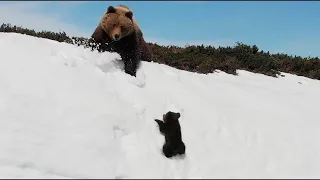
<point x="111" y="9"/>
<point x="129" y="14"/>
<point x="176" y="115"/>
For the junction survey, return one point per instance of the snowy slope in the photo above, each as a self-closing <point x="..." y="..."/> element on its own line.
<point x="67" y="112"/>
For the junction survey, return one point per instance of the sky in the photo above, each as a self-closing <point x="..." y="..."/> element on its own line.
<point x="291" y="27"/>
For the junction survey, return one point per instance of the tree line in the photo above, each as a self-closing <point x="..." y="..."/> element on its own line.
<point x="204" y="59"/>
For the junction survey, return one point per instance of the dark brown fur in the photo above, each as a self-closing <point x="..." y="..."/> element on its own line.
<point x="170" y="128"/>
<point x="131" y="45"/>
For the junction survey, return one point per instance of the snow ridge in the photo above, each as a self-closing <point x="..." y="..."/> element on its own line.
<point x="67" y="112"/>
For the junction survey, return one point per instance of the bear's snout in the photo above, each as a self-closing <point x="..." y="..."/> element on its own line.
<point x="116" y="37"/>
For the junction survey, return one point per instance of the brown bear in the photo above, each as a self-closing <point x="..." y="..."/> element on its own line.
<point x="120" y="31"/>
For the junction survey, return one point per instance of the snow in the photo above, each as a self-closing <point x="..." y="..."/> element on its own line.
<point x="67" y="112"/>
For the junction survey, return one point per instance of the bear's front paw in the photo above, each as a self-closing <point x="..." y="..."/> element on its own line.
<point x="161" y="126"/>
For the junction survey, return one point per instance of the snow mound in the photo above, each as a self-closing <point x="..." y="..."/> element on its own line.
<point x="67" y="112"/>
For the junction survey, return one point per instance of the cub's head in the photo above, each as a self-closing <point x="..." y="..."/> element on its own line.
<point x="117" y="22"/>
<point x="171" y="117"/>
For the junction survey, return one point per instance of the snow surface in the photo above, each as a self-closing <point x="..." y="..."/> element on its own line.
<point x="67" y="112"/>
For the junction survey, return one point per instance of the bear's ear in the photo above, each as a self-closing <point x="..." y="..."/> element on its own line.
<point x="129" y="14"/>
<point x="176" y="115"/>
<point x="111" y="9"/>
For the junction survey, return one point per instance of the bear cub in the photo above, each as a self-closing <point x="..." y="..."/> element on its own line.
<point x="170" y="128"/>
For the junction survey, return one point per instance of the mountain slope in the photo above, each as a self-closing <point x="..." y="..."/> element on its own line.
<point x="67" y="112"/>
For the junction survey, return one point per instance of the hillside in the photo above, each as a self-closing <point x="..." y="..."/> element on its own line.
<point x="68" y="112"/>
<point x="205" y="59"/>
